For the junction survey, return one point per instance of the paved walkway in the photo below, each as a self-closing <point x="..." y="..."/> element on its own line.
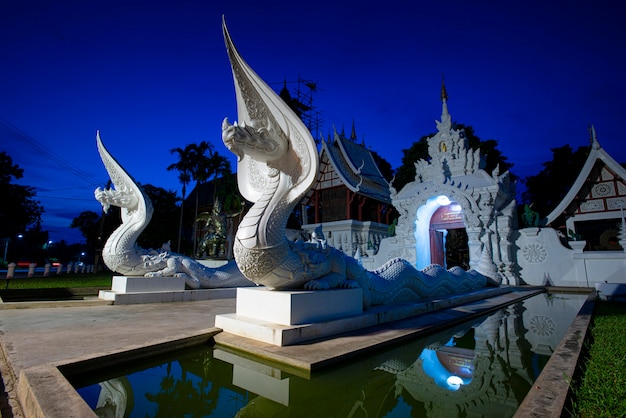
<point x="37" y="338"/>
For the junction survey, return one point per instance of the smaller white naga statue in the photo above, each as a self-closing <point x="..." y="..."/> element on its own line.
<point x="277" y="164"/>
<point x="122" y="254"/>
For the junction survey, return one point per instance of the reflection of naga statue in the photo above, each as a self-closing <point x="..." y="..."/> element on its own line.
<point x="212" y="244"/>
<point x="277" y="164"/>
<point x="121" y="253"/>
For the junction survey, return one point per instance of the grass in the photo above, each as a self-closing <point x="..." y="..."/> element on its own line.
<point x="71" y="280"/>
<point x="602" y="389"/>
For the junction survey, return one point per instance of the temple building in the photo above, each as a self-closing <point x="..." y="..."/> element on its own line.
<point x="593" y="208"/>
<point x="453" y="199"/>
<point x="581" y="242"/>
<point x="351" y="198"/>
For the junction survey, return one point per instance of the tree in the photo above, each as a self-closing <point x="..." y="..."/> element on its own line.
<point x="383" y="166"/>
<point x="19" y="209"/>
<point x="162" y="228"/>
<point x="88" y="223"/>
<point x="200" y="166"/>
<point x="218" y="166"/>
<point x="406" y="172"/>
<point x="545" y="190"/>
<point x="96" y="228"/>
<point x="184" y="168"/>
<point x="419" y="150"/>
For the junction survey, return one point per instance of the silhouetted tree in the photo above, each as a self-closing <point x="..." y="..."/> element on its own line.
<point x="406" y="172"/>
<point x="19" y="209"/>
<point x="184" y="168"/>
<point x="218" y="166"/>
<point x="200" y="166"/>
<point x="545" y="190"/>
<point x="383" y="165"/>
<point x="162" y="228"/>
<point x="88" y="223"/>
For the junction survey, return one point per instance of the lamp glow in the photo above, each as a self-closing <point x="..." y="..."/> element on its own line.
<point x="455" y="382"/>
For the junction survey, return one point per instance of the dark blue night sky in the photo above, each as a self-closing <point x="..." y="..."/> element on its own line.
<point x="154" y="75"/>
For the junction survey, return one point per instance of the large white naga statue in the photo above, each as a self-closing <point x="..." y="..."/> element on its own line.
<point x="122" y="254"/>
<point x="277" y="164"/>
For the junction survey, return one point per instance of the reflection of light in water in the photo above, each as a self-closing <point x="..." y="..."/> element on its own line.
<point x="442" y="376"/>
<point x="455" y="382"/>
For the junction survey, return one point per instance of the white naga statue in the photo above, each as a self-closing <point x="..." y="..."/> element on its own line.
<point x="277" y="164"/>
<point x="121" y="253"/>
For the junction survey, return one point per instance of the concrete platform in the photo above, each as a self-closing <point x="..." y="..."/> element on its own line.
<point x="35" y="342"/>
<point x="129" y="290"/>
<point x="275" y="321"/>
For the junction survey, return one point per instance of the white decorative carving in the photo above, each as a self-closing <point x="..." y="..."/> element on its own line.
<point x="534" y="253"/>
<point x="616" y="203"/>
<point x="271" y="141"/>
<point x="592" y="206"/>
<point x="603" y="190"/>
<point x="455" y="172"/>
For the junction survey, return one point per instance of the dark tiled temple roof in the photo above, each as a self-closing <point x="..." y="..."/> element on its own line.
<point x="357" y="169"/>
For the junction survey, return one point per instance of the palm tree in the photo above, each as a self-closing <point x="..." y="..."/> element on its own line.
<point x="184" y="168"/>
<point x="218" y="166"/>
<point x="194" y="164"/>
<point x="199" y="172"/>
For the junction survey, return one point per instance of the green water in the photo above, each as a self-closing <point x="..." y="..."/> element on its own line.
<point x="481" y="368"/>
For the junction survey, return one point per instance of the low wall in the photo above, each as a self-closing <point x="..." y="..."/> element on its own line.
<point x="544" y="260"/>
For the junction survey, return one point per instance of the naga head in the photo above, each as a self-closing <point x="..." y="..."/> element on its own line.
<point x="259" y="141"/>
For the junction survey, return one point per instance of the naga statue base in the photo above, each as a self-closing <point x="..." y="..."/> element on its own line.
<point x="324" y="319"/>
<point x="128" y="290"/>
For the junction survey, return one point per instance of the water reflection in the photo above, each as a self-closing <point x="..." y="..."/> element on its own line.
<point x="481" y="368"/>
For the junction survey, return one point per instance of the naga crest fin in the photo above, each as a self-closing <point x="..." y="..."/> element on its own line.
<point x="124" y="183"/>
<point x="280" y="139"/>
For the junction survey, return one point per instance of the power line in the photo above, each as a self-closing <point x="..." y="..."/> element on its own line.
<point x="15" y="132"/>
<point x="65" y="198"/>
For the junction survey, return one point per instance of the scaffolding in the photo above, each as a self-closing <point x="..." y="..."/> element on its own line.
<point x="300" y="100"/>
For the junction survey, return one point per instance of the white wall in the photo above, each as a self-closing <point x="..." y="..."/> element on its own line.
<point x="543" y="259"/>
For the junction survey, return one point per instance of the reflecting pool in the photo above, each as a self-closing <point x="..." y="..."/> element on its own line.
<point x="483" y="367"/>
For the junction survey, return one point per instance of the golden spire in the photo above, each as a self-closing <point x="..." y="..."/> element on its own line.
<point x="444" y="93"/>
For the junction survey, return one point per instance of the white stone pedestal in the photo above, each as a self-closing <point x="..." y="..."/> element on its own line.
<point x="134" y="284"/>
<point x="280" y="317"/>
<point x="299" y="306"/>
<point x="287" y="317"/>
<point x="126" y="290"/>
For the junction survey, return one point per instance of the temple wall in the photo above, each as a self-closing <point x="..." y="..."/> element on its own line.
<point x="543" y="260"/>
<point x="350" y="235"/>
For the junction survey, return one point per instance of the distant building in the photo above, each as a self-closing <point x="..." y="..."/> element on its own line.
<point x="351" y="198"/>
<point x="593" y="208"/>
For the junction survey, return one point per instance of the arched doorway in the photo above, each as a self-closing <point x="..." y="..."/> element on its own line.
<point x="448" y="239"/>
